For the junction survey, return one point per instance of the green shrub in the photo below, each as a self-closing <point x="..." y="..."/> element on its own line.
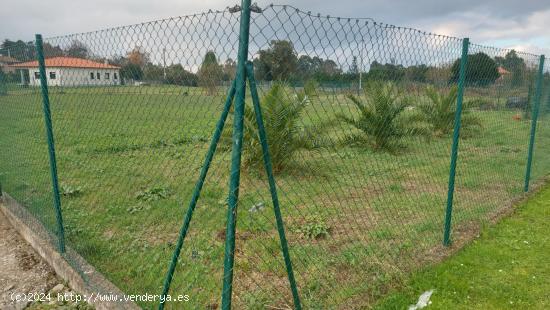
<point x="153" y="194"/>
<point x="381" y="119"/>
<point x="439" y="112"/>
<point x="282" y="111"/>
<point x="70" y="191"/>
<point x="315" y="227"/>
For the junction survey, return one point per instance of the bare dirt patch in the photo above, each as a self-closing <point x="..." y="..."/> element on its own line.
<point x="22" y="271"/>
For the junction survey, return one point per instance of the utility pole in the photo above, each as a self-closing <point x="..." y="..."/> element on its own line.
<point x="164" y="62"/>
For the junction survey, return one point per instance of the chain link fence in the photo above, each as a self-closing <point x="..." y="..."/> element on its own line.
<point x="360" y="120"/>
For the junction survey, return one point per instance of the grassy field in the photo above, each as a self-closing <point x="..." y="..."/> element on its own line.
<point x="506" y="268"/>
<point x="128" y="158"/>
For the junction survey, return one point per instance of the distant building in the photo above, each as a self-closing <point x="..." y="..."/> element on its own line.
<point x="6" y="62"/>
<point x="70" y="71"/>
<point x="503" y="71"/>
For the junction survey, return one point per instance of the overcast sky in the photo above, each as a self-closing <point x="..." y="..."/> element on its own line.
<point x="520" y="24"/>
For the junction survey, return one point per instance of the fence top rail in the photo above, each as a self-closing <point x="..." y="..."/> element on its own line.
<point x="367" y="20"/>
<point x="151" y="22"/>
<point x="278" y="8"/>
<point x="476" y="46"/>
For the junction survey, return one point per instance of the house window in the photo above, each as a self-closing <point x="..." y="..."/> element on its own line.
<point x="91" y="75"/>
<point x="107" y="75"/>
<point x="97" y="74"/>
<point x="52" y="75"/>
<point x="115" y="76"/>
<point x="37" y="75"/>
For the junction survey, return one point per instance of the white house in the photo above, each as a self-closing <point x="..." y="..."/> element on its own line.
<point x="70" y="71"/>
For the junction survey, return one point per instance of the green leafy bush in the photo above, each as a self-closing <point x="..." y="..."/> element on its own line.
<point x="381" y="119"/>
<point x="315" y="227"/>
<point x="439" y="112"/>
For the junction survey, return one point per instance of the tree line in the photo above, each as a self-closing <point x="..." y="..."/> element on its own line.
<point x="279" y="61"/>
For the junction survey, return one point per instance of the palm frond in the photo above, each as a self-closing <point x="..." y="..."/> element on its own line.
<point x="439" y="111"/>
<point x="381" y="116"/>
<point x="282" y="111"/>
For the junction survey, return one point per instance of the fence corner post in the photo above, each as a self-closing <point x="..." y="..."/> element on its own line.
<point x="237" y="141"/>
<point x="456" y="136"/>
<point x="50" y="139"/>
<point x="534" y="118"/>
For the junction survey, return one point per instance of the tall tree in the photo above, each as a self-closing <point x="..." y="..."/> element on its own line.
<point x="177" y="75"/>
<point x="386" y="72"/>
<point x="77" y="49"/>
<point x="417" y="73"/>
<point x="52" y="50"/>
<point x="317" y="68"/>
<point x="354" y="68"/>
<point x="152" y="72"/>
<point x="210" y="73"/>
<point x="515" y="65"/>
<point x="229" y="69"/>
<point x="278" y="62"/>
<point x="138" y="56"/>
<point x="20" y="50"/>
<point x="330" y="68"/>
<point x="481" y="70"/>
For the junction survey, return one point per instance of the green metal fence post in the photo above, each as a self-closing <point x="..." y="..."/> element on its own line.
<point x="534" y="119"/>
<point x="1" y="94"/>
<point x="51" y="144"/>
<point x="196" y="193"/>
<point x="456" y="136"/>
<point x="229" y="254"/>
<point x="272" y="185"/>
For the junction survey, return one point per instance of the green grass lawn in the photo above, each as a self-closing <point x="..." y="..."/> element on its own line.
<point x="128" y="158"/>
<point x="506" y="268"/>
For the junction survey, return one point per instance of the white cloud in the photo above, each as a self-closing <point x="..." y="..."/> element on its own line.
<point x="527" y="34"/>
<point x="507" y="23"/>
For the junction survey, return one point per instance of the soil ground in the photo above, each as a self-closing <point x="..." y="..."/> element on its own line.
<point x="23" y="272"/>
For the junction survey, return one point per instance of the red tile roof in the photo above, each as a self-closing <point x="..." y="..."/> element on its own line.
<point x="67" y="62"/>
<point x="503" y="71"/>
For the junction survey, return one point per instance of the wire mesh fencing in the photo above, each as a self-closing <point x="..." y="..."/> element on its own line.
<point x="359" y="119"/>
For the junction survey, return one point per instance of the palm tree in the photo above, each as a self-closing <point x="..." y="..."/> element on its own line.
<point x="282" y="112"/>
<point x="439" y="112"/>
<point x="381" y="118"/>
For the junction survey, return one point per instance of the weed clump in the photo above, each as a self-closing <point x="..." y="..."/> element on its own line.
<point x="315" y="227"/>
<point x="153" y="194"/>
<point x="70" y="191"/>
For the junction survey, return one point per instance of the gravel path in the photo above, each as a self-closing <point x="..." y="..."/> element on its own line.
<point x="22" y="271"/>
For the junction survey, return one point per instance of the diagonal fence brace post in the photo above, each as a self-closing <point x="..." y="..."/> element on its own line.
<point x="272" y="185"/>
<point x="196" y="193"/>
